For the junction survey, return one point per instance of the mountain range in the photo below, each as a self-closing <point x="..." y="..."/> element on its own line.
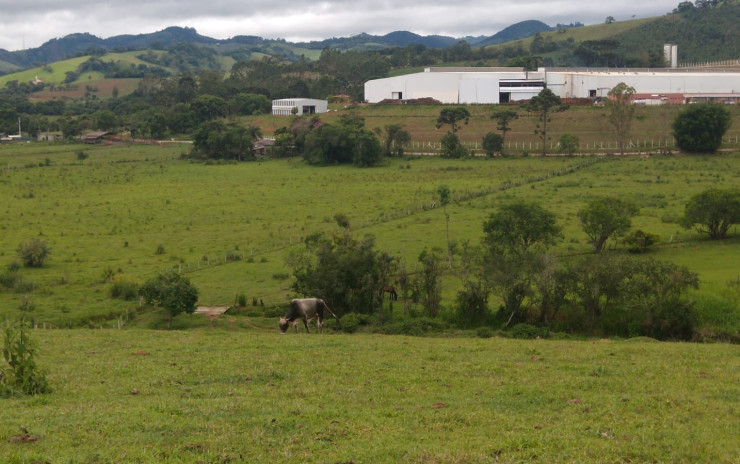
<point x="82" y="43"/>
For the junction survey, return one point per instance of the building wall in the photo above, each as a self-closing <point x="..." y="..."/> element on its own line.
<point x="284" y="107"/>
<point x="489" y="87"/>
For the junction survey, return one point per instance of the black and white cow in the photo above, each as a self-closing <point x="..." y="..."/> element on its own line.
<point x="306" y="309"/>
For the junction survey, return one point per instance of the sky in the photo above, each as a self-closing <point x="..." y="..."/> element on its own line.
<point x="30" y="23"/>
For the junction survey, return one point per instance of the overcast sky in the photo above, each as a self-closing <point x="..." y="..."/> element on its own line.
<point x="32" y="22"/>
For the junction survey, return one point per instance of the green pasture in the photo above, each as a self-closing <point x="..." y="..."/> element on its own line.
<point x="141" y="210"/>
<point x="251" y="395"/>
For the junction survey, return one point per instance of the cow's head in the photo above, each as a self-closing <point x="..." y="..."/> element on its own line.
<point x="284" y="324"/>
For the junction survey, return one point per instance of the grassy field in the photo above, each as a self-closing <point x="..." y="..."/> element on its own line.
<point x="140" y="210"/>
<point x="250" y="395"/>
<point x="651" y="126"/>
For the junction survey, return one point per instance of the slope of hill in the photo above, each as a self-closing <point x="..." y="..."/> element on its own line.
<point x="516" y="31"/>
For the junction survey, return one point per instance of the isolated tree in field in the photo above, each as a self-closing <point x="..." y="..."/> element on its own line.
<point x="606" y="217"/>
<point x="451" y="146"/>
<point x="621" y="112"/>
<point x="544" y="104"/>
<point x="492" y="143"/>
<point x="713" y="212"/>
<point x="453" y="117"/>
<point x="519" y="225"/>
<point x="699" y="128"/>
<point x="503" y="118"/>
<point x="34" y="252"/>
<point x="394" y="137"/>
<point x="172" y="292"/>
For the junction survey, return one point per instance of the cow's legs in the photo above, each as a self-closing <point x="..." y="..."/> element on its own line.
<point x="305" y="322"/>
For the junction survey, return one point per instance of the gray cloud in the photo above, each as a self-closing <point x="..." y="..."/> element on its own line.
<point x="298" y="20"/>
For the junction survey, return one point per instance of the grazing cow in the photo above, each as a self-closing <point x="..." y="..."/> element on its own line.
<point x="391" y="291"/>
<point x="306" y="309"/>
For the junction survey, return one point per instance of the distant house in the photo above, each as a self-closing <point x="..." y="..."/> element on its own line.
<point x="94" y="137"/>
<point x="298" y="106"/>
<point x="262" y="146"/>
<point x="48" y="137"/>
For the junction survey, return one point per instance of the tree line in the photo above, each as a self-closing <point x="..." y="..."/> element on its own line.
<point x="605" y="293"/>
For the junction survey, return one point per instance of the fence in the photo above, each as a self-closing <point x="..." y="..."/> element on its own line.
<point x="554" y="146"/>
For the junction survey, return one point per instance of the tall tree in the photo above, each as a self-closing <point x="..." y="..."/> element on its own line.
<point x="503" y="118"/>
<point x="621" y="112"/>
<point x="453" y="117"/>
<point x="544" y="104"/>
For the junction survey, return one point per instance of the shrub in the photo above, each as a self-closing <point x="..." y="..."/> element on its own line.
<point x="241" y="300"/>
<point x="123" y="288"/>
<point x="527" y="331"/>
<point x="699" y="128"/>
<point x="34" y="252"/>
<point x="351" y="321"/>
<point x="484" y="332"/>
<point x="18" y="372"/>
<point x="638" y="241"/>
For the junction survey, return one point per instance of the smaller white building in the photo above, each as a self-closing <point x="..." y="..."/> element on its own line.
<point x="298" y="106"/>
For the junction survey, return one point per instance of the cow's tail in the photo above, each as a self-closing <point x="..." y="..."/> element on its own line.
<point x="332" y="313"/>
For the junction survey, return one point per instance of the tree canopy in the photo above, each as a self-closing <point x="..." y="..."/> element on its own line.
<point x="172" y="292"/>
<point x="713" y="211"/>
<point x="606" y="217"/>
<point x="699" y="128"/>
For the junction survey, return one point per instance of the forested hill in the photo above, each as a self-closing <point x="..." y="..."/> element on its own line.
<point x="239" y="46"/>
<point x="707" y="32"/>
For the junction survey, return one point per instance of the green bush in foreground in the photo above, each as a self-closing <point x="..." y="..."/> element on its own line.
<point x="18" y="372"/>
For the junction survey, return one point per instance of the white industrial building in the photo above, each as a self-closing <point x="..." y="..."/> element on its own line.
<point x="503" y="85"/>
<point x="299" y="106"/>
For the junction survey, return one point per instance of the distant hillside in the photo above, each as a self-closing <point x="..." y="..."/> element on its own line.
<point x="239" y="47"/>
<point x="516" y="31"/>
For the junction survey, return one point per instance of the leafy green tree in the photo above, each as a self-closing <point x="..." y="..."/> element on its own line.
<point x="515" y="239"/>
<point x="503" y="118"/>
<point x="519" y="225"/>
<point x="452" y="147"/>
<point x="699" y="128"/>
<point x="172" y="292"/>
<point x="346" y="272"/>
<point x="453" y="117"/>
<point x="394" y="138"/>
<point x="34" y="252"/>
<point x="544" y="104"/>
<point x="340" y="143"/>
<point x="568" y="143"/>
<point x="621" y="112"/>
<point x="713" y="212"/>
<point x="606" y="217"/>
<point x="106" y="120"/>
<point x="209" y="107"/>
<point x="492" y="143"/>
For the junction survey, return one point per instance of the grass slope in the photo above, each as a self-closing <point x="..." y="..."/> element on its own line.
<point x="231" y="227"/>
<point x="254" y="396"/>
